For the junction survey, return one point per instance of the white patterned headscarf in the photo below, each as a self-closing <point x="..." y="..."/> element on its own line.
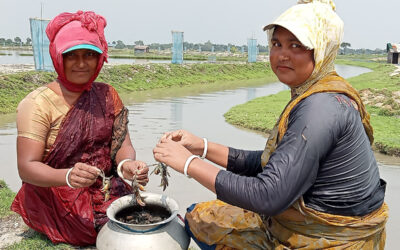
<point x="317" y="26"/>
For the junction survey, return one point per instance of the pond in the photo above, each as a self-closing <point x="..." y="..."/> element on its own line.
<point x="154" y="112"/>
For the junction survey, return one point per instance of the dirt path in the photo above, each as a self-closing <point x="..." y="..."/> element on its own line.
<point x="13" y="229"/>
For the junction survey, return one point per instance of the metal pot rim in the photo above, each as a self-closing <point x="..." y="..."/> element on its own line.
<point x="150" y="198"/>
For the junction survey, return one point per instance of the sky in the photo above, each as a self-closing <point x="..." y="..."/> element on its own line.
<point x="368" y="24"/>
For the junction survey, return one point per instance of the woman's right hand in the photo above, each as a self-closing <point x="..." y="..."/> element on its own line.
<point x="83" y="175"/>
<point x="193" y="143"/>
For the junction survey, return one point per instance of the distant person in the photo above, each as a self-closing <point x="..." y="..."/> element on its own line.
<point x="70" y="131"/>
<point x="316" y="185"/>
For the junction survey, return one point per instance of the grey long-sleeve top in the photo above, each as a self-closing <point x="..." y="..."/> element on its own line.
<point x="325" y="156"/>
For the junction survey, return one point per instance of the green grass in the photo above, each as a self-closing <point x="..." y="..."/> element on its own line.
<point x="14" y="87"/>
<point x="378" y="79"/>
<point x="6" y="198"/>
<point x="386" y="132"/>
<point x="38" y="241"/>
<point x="188" y="56"/>
<point x="261" y="114"/>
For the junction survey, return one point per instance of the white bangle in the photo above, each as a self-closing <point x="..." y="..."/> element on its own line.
<point x="119" y="171"/>
<point x="67" y="177"/>
<point x="188" y="161"/>
<point x="205" y="148"/>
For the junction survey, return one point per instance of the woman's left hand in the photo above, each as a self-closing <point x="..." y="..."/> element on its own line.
<point x="171" y="153"/>
<point x="130" y="168"/>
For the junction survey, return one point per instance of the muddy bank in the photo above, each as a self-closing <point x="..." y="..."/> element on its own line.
<point x="15" y="68"/>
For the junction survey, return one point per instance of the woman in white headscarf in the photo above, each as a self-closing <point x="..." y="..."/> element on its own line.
<point x="316" y="184"/>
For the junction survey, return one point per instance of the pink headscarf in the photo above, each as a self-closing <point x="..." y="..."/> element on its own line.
<point x="69" y="29"/>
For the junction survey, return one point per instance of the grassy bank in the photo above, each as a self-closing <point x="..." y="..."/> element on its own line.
<point x="128" y="78"/>
<point x="6" y="197"/>
<point x="188" y="56"/>
<point x="379" y="91"/>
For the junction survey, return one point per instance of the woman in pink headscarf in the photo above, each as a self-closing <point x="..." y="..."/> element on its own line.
<point x="70" y="132"/>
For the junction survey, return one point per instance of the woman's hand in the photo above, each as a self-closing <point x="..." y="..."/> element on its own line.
<point x="193" y="143"/>
<point x="171" y="152"/>
<point x="83" y="175"/>
<point x="130" y="168"/>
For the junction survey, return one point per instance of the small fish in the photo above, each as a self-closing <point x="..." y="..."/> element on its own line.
<point x="136" y="188"/>
<point x="140" y="201"/>
<point x="106" y="185"/>
<point x="161" y="168"/>
<point x="106" y="196"/>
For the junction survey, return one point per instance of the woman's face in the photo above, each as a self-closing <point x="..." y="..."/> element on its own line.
<point x="291" y="62"/>
<point x="80" y="65"/>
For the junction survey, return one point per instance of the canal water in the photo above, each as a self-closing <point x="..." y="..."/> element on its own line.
<point x="154" y="112"/>
<point x="23" y="57"/>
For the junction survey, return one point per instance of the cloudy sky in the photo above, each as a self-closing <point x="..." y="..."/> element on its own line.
<point x="368" y="23"/>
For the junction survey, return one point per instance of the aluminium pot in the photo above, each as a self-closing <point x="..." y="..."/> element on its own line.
<point x="167" y="234"/>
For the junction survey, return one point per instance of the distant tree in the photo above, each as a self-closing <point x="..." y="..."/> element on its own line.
<point x="207" y="46"/>
<point x="9" y="41"/>
<point x="262" y="48"/>
<point x="17" y="40"/>
<point x="344" y="45"/>
<point x="120" y="45"/>
<point x="234" y="49"/>
<point x="2" y="41"/>
<point x="140" y="42"/>
<point x="114" y="43"/>
<point x="28" y="41"/>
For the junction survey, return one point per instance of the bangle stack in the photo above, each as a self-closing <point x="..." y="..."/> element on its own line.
<point x="187" y="163"/>
<point x="205" y="148"/>
<point x="67" y="177"/>
<point x="119" y="168"/>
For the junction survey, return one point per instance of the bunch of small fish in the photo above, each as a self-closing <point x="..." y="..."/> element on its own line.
<point x="161" y="168"/>
<point x="106" y="185"/>
<point x="136" y="187"/>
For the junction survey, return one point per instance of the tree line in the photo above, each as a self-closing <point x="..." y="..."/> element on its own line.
<point x="17" y="41"/>
<point x="207" y="46"/>
<point x="345" y="47"/>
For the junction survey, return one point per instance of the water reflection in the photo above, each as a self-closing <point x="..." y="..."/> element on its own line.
<point x="14" y="57"/>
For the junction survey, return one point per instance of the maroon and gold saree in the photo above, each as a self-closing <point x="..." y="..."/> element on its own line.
<point x="92" y="132"/>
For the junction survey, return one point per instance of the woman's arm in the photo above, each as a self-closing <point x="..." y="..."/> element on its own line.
<point x="126" y="151"/>
<point x="216" y="153"/>
<point x="130" y="168"/>
<point x="33" y="124"/>
<point x="175" y="155"/>
<point x="32" y="170"/>
<point x="239" y="161"/>
<point x="30" y="167"/>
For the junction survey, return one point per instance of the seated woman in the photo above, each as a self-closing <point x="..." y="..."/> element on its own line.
<point x="71" y="131"/>
<point x="316" y="184"/>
